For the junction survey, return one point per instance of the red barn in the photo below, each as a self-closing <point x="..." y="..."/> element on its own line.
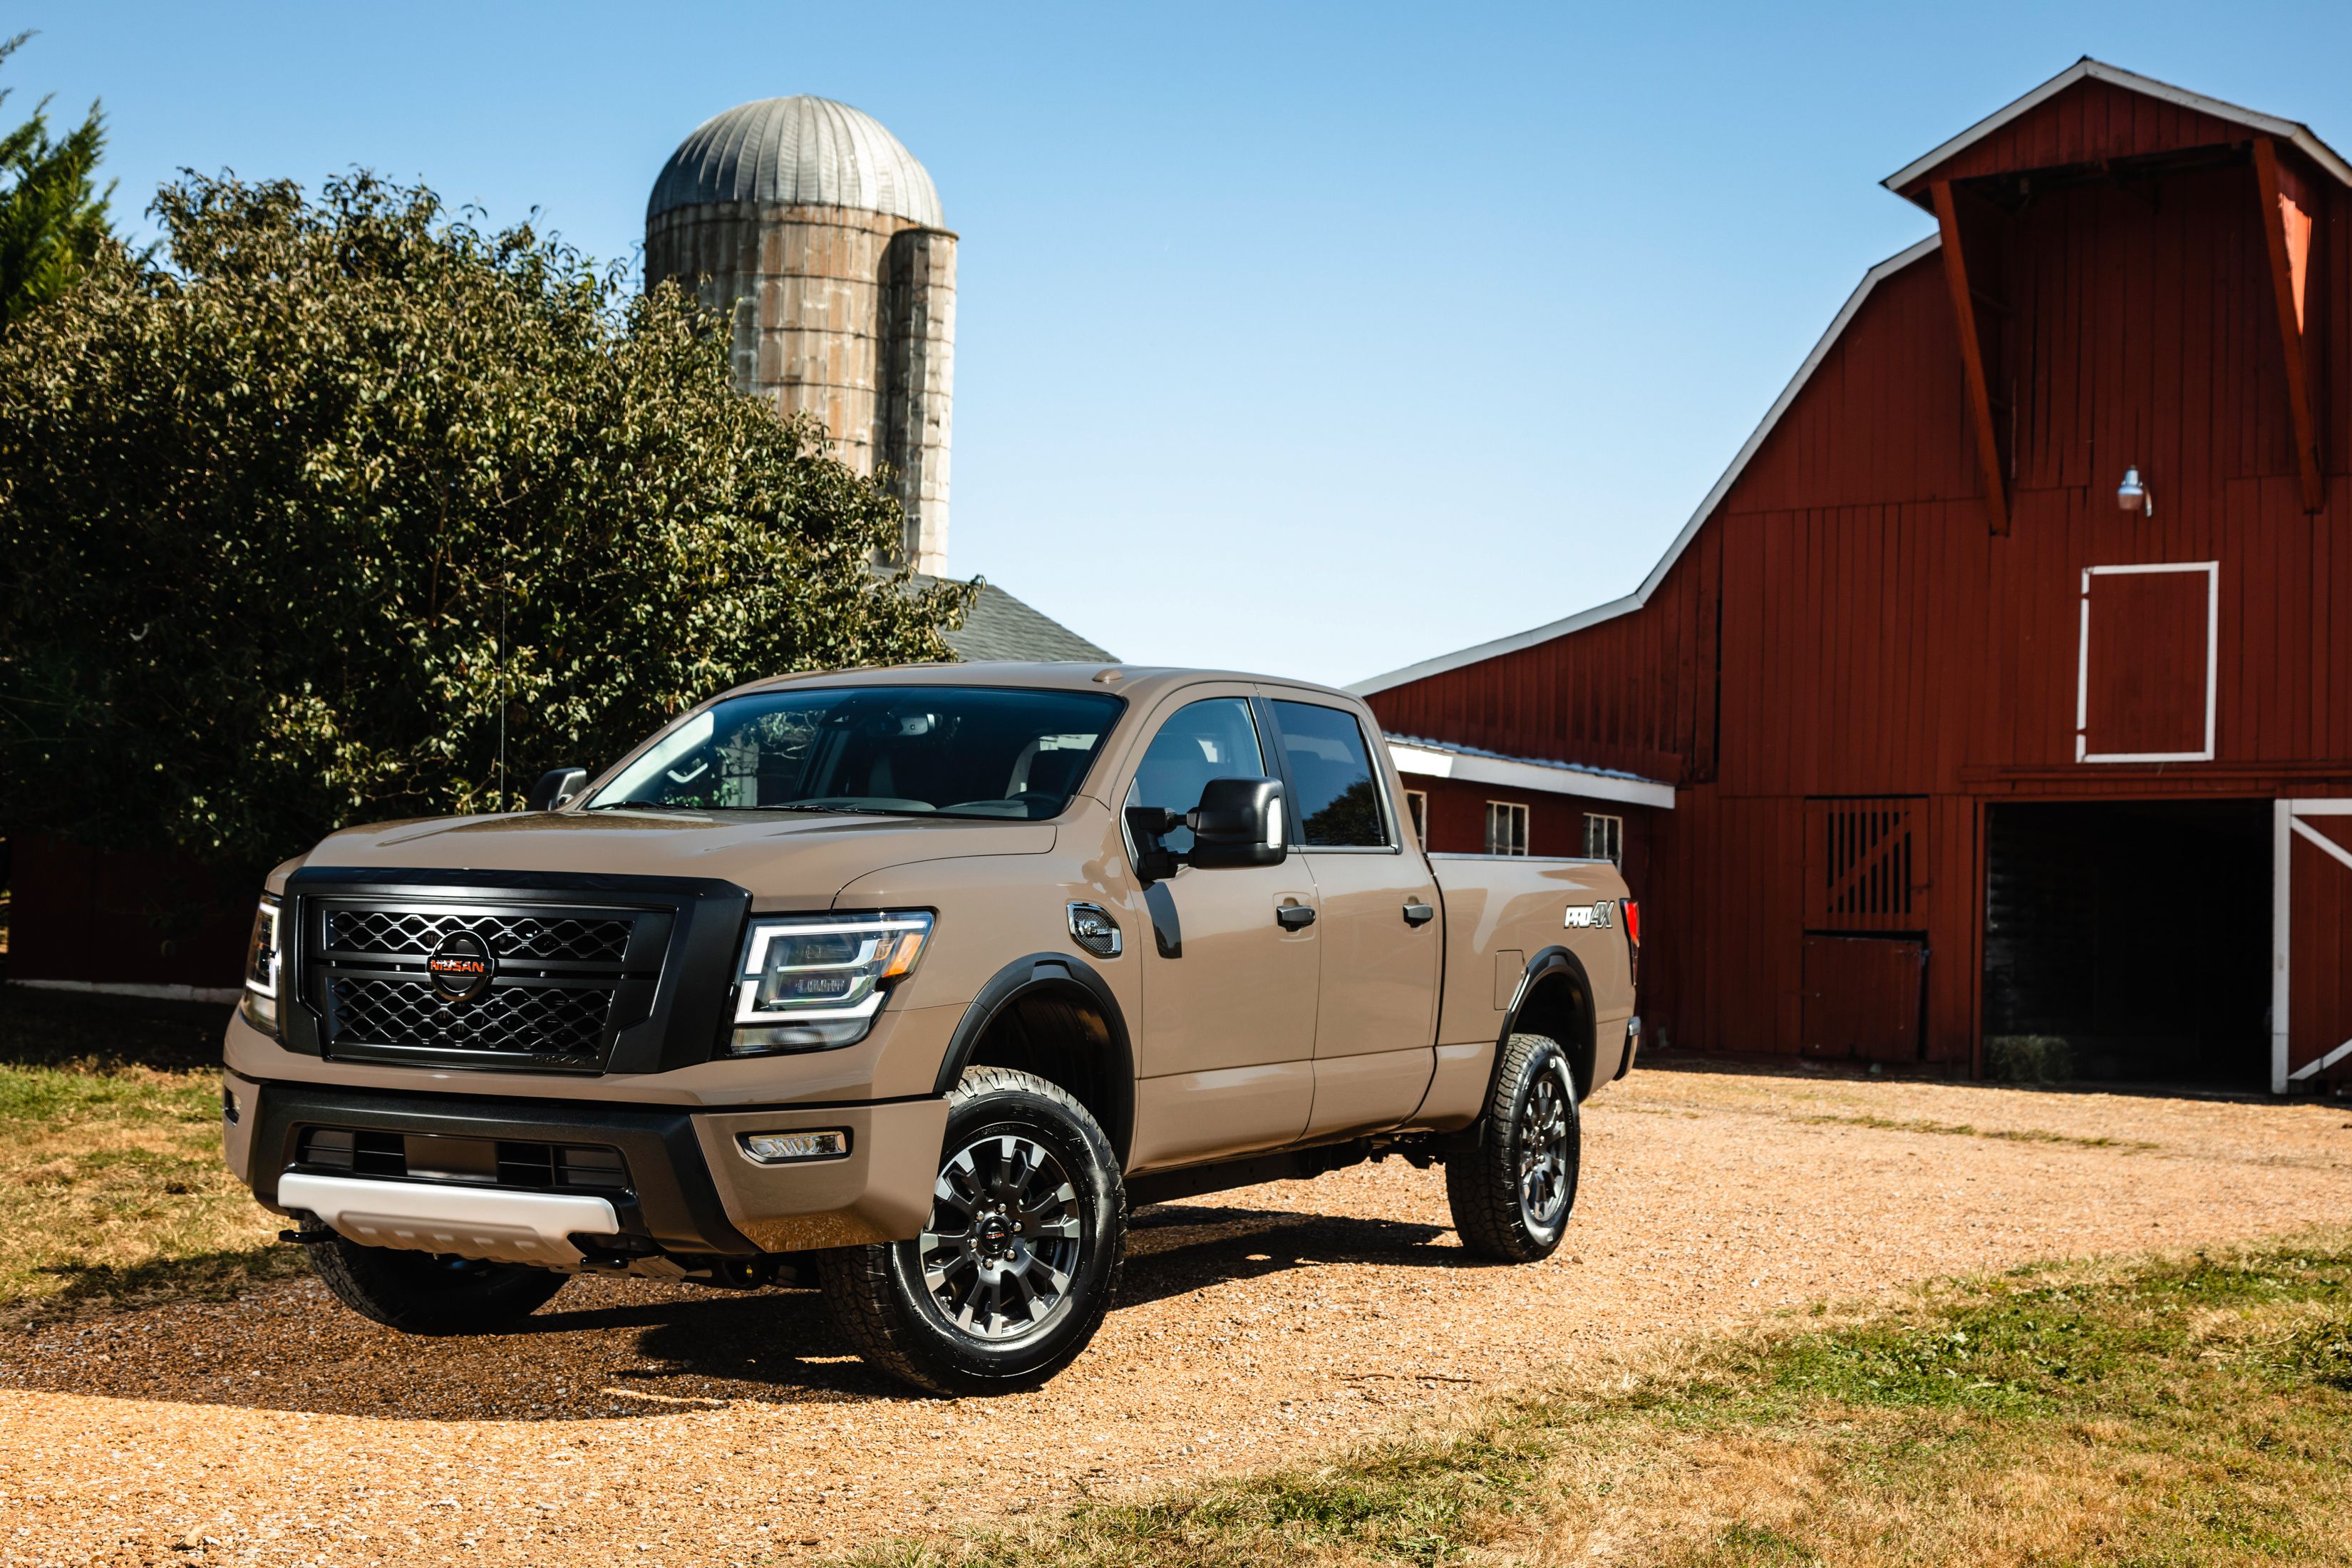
<point x="2004" y="682"/>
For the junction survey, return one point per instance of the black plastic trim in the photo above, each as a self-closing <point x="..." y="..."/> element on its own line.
<point x="675" y="1204"/>
<point x="673" y="1021"/>
<point x="1049" y="971"/>
<point x="1551" y="961"/>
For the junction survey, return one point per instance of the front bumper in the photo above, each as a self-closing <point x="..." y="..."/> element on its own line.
<point x="684" y="1189"/>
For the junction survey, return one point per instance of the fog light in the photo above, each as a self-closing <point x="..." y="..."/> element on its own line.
<point x="229" y="1112"/>
<point x="780" y="1148"/>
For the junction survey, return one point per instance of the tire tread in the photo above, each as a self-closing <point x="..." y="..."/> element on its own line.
<point x="1481" y="1188"/>
<point x="861" y="1299"/>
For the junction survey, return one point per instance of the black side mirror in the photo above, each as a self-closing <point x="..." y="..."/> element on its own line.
<point x="555" y="786"/>
<point x="1237" y="822"/>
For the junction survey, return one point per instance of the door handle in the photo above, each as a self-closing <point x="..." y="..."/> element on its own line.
<point x="1295" y="917"/>
<point x="1419" y="914"/>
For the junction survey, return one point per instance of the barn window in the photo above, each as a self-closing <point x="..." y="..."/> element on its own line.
<point x="1416" y="805"/>
<point x="1507" y="827"/>
<point x="1604" y="837"/>
<point x="2144" y="667"/>
<point x="1860" y="865"/>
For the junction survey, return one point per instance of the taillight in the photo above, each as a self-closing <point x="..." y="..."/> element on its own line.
<point x="1633" y="938"/>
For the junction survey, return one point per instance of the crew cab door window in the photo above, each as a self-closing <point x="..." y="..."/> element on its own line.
<point x="1212" y="739"/>
<point x="1336" y="791"/>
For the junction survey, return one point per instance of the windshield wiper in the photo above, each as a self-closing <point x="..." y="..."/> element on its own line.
<point x="841" y="810"/>
<point x="646" y="805"/>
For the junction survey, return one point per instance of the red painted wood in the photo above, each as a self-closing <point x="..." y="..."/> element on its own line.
<point x="2088" y="122"/>
<point x="1863" y="998"/>
<point x="2146" y="686"/>
<point x="2319" y="965"/>
<point x="1843" y="624"/>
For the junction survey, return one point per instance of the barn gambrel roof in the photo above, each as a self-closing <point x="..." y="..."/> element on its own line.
<point x="2083" y="70"/>
<point x="1640" y="596"/>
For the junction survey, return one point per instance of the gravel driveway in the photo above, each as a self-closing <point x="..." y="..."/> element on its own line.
<point x="653" y="1425"/>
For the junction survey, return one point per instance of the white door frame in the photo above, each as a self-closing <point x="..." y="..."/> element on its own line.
<point x="2212" y="570"/>
<point x="2285" y="827"/>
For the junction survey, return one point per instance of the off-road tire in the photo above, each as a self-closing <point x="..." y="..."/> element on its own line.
<point x="1531" y="1118"/>
<point x="423" y="1292"/>
<point x="879" y="1298"/>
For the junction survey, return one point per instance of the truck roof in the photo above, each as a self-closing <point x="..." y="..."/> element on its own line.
<point x="1139" y="680"/>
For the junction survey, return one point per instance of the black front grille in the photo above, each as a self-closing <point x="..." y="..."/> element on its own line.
<point x="566" y="1022"/>
<point x="405" y="931"/>
<point x="503" y="1161"/>
<point x="564" y="982"/>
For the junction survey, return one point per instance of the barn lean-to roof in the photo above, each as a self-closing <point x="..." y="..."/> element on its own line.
<point x="1904" y="182"/>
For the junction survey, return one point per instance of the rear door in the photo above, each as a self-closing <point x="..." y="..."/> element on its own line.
<point x="1376" y="1027"/>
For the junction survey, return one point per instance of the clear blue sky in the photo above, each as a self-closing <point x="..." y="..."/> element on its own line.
<point x="1316" y="340"/>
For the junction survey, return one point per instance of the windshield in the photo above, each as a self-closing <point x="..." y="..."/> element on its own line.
<point x="958" y="750"/>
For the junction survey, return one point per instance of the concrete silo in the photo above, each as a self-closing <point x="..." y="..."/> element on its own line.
<point x="823" y="235"/>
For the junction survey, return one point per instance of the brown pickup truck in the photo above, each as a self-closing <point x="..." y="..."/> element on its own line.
<point x="909" y="983"/>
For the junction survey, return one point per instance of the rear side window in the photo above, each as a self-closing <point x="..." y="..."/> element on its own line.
<point x="1332" y="780"/>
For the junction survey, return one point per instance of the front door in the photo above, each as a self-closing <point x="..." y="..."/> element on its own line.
<point x="2311" y="986"/>
<point x="1374" y="1033"/>
<point x="1229" y="990"/>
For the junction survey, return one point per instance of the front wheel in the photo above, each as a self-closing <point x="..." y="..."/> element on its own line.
<point x="1512" y="1194"/>
<point x="1016" y="1268"/>
<point x="425" y="1292"/>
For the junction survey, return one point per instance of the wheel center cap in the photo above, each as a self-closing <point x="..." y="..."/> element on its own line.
<point x="995" y="1234"/>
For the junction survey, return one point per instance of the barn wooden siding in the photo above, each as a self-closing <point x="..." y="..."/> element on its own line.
<point x="1848" y="623"/>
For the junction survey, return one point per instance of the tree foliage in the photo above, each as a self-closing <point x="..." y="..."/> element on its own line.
<point x="52" y="214"/>
<point x="304" y="527"/>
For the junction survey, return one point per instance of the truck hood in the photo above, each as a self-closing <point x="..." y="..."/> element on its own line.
<point x="785" y="860"/>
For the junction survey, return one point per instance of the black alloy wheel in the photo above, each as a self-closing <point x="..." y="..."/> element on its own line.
<point x="1512" y="1194"/>
<point x="1016" y="1265"/>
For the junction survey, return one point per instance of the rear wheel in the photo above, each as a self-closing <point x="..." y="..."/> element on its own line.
<point x="1016" y="1266"/>
<point x="426" y="1292"/>
<point x="1512" y="1194"/>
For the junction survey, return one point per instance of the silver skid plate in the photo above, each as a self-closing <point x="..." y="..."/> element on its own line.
<point x="469" y="1222"/>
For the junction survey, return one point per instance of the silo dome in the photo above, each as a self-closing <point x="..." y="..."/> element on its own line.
<point x="798" y="152"/>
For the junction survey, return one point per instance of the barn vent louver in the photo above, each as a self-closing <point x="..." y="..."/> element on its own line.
<point x="1859" y="860"/>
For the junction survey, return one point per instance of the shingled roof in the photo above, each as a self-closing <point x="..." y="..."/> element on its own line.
<point x="1000" y="626"/>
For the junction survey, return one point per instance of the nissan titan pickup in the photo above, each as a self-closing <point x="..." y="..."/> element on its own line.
<point x="909" y="983"/>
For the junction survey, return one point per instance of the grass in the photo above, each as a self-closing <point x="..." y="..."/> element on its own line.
<point x="110" y="1151"/>
<point x="2185" y="1410"/>
<point x="1963" y="1129"/>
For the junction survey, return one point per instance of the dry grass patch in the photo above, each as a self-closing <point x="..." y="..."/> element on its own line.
<point x="2185" y="1410"/>
<point x="117" y="1189"/>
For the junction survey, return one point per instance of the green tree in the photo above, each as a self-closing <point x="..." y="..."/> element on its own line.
<point x="52" y="216"/>
<point x="316" y="523"/>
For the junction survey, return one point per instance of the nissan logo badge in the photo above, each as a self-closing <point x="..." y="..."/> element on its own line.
<point x="461" y="967"/>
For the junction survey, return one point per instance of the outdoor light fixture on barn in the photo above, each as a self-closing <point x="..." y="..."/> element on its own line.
<point x="2132" y="495"/>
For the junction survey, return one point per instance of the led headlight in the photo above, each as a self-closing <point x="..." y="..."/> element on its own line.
<point x="260" y="1003"/>
<point x="809" y="982"/>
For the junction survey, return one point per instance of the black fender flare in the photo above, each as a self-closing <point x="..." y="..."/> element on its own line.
<point x="1050" y="972"/>
<point x="1583" y="1054"/>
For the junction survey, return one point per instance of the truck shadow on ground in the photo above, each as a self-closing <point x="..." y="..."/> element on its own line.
<point x="608" y="1348"/>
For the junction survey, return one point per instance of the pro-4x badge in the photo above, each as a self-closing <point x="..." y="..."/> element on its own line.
<point x="1596" y="915"/>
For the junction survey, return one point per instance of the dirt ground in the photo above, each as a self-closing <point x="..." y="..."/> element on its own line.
<point x="650" y="1426"/>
